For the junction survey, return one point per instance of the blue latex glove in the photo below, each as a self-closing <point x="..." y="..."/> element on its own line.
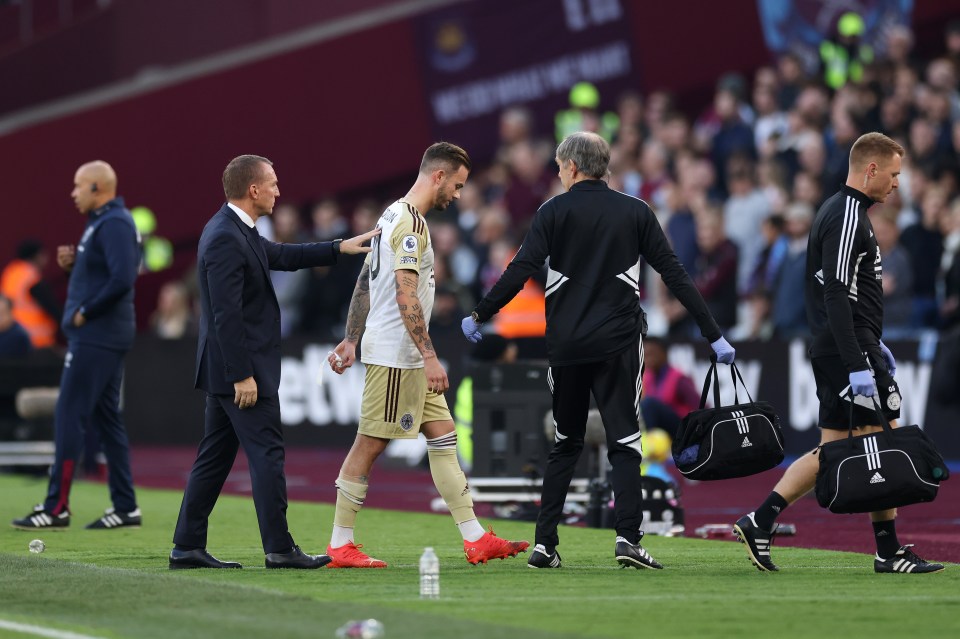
<point x="888" y="358"/>
<point x="471" y="330"/>
<point x="725" y="352"/>
<point x="861" y="383"/>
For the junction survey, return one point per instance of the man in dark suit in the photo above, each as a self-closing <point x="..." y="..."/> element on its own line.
<point x="238" y="365"/>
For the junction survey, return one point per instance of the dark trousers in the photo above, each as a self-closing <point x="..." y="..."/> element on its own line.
<point x="225" y="429"/>
<point x="616" y="385"/>
<point x="90" y="399"/>
<point x="659" y="414"/>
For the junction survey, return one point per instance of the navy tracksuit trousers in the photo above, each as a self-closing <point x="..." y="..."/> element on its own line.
<point x="90" y="398"/>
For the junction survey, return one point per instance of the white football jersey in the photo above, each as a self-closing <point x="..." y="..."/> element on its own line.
<point x="403" y="244"/>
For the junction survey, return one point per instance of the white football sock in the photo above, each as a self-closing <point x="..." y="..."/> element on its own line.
<point x="471" y="530"/>
<point x="340" y="536"/>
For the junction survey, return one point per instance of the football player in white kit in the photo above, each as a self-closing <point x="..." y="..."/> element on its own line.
<point x="405" y="382"/>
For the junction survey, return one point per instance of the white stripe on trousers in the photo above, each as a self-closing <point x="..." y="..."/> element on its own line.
<point x="639" y="385"/>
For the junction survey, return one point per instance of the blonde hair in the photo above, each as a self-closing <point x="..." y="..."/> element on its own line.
<point x="873" y="147"/>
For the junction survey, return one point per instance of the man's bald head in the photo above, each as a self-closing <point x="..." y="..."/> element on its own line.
<point x="100" y="173"/>
<point x="94" y="184"/>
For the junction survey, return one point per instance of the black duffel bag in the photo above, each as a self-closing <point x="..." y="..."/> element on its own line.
<point x="727" y="441"/>
<point x="877" y="471"/>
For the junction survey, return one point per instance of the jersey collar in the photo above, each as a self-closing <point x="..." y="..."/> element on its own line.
<point x="589" y="185"/>
<point x="858" y="195"/>
<point x="114" y="203"/>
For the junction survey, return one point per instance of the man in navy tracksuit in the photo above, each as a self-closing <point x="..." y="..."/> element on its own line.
<point x="99" y="324"/>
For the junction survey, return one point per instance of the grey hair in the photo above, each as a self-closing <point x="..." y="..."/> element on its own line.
<point x="588" y="151"/>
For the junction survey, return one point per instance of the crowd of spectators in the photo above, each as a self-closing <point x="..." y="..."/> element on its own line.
<point x="736" y="187"/>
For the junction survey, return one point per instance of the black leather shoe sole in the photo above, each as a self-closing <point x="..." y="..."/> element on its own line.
<point x="299" y="563"/>
<point x="190" y="566"/>
<point x="199" y="559"/>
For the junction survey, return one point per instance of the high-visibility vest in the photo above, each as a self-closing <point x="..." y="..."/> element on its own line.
<point x="15" y="283"/>
<point x="524" y="315"/>
<point x="839" y="67"/>
<point x="463" y="421"/>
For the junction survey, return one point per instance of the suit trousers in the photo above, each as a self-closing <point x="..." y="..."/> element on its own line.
<point x="89" y="398"/>
<point x="616" y="384"/>
<point x="226" y="428"/>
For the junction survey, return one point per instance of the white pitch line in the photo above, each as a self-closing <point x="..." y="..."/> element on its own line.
<point x="40" y="631"/>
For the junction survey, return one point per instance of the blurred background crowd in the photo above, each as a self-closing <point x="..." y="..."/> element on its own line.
<point x="735" y="184"/>
<point x="735" y="181"/>
<point x="734" y="134"/>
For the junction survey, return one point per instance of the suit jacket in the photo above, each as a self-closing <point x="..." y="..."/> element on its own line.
<point x="239" y="314"/>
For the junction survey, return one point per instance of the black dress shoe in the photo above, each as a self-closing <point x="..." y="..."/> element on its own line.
<point x="198" y="558"/>
<point x="296" y="558"/>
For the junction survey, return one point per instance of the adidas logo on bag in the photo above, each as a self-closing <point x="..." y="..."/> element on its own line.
<point x="746" y="443"/>
<point x="877" y="479"/>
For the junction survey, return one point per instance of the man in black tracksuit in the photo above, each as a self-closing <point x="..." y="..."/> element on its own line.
<point x="594" y="238"/>
<point x="99" y="324"/>
<point x="844" y="299"/>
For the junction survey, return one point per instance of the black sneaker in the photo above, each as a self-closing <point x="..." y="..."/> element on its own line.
<point x="757" y="541"/>
<point x="904" y="561"/>
<point x="634" y="556"/>
<point x="41" y="518"/>
<point x="112" y="519"/>
<point x="540" y="558"/>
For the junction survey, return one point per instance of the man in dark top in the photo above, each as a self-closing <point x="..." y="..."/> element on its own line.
<point x="14" y="339"/>
<point x="844" y="299"/>
<point x="594" y="237"/>
<point x="99" y="324"/>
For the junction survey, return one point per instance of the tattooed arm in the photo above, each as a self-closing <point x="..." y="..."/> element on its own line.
<point x="345" y="354"/>
<point x="411" y="312"/>
<point x="359" y="307"/>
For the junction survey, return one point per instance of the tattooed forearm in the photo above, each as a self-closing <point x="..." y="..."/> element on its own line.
<point x="359" y="306"/>
<point x="412" y="312"/>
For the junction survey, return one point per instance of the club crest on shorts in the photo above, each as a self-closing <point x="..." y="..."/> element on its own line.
<point x="406" y="422"/>
<point x="893" y="401"/>
<point x="409" y="243"/>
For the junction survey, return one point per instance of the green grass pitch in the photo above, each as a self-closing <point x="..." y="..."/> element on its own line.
<point x="116" y="583"/>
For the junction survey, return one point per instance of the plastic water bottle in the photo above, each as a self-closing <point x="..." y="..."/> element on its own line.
<point x="429" y="574"/>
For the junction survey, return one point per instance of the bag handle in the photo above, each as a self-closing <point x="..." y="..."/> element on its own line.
<point x="735" y="375"/>
<point x="887" y="428"/>
<point x="706" y="385"/>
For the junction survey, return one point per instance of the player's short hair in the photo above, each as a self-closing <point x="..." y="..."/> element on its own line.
<point x="446" y="156"/>
<point x="873" y="147"/>
<point x="588" y="151"/>
<point x="241" y="172"/>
